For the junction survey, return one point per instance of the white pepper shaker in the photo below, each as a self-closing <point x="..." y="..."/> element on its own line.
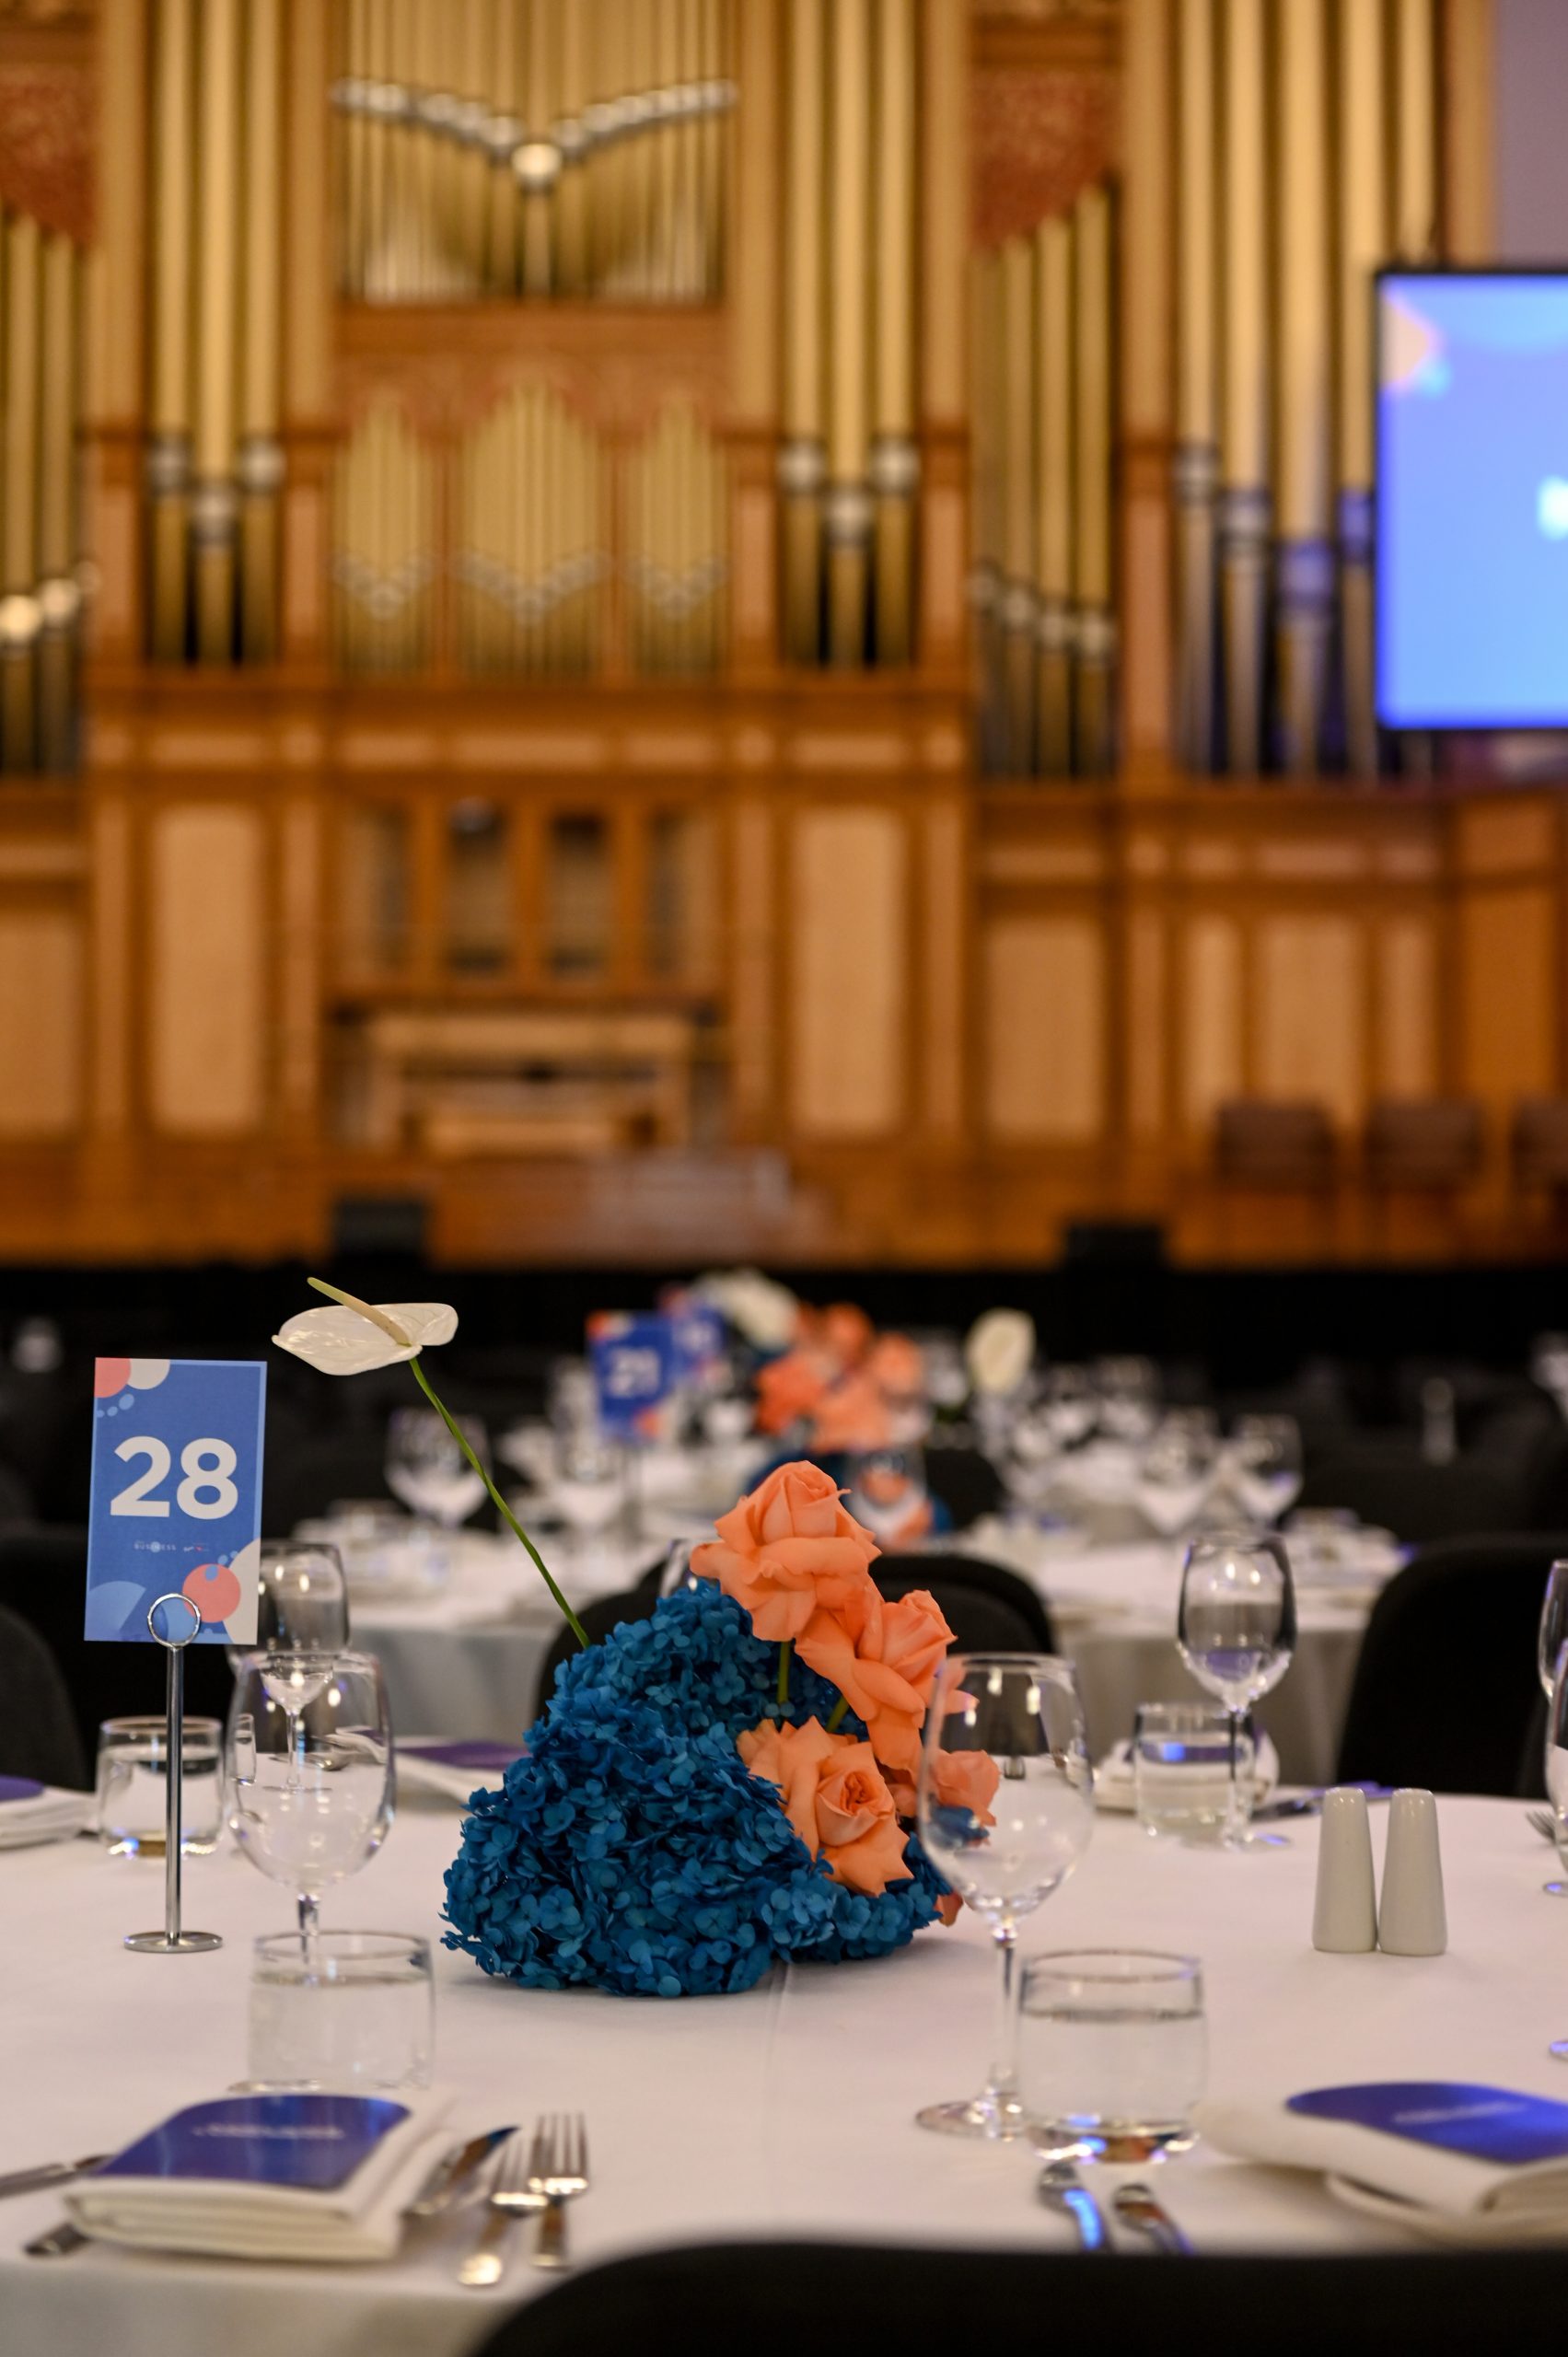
<point x="1345" y="1915"/>
<point x="1412" y="1920"/>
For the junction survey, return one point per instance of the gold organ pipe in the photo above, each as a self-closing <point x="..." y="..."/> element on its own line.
<point x="504" y="198"/>
<point x="18" y="533"/>
<point x="1197" y="401"/>
<point x="1093" y="623"/>
<point x="218" y="285"/>
<point x="1244" y="454"/>
<point x="571" y="201"/>
<point x="1017" y="459"/>
<point x="848" y="516"/>
<point x="1415" y="195"/>
<point x="894" y="455"/>
<point x="665" y="282"/>
<point x="1362" y="242"/>
<point x="173" y="143"/>
<point x="57" y="590"/>
<point x="1306" y="343"/>
<point x="260" y="458"/>
<point x="985" y="347"/>
<point x="1054" y="522"/>
<point x="801" y="457"/>
<point x="354" y="226"/>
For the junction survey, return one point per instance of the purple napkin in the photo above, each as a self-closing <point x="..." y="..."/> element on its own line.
<point x="18" y="1788"/>
<point x="477" y="1754"/>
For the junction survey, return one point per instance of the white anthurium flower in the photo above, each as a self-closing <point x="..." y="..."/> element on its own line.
<point x="1000" y="1350"/>
<point x="354" y="1335"/>
<point x="765" y="1312"/>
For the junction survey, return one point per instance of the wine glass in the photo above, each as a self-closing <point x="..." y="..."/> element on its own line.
<point x="1069" y="1404"/>
<point x="1549" y="1641"/>
<point x="310" y="1776"/>
<point x="889" y="1495"/>
<point x="1176" y="1470"/>
<point x="1235" y="1631"/>
<point x="1006" y="1856"/>
<point x="1128" y="1389"/>
<point x="1557" y="1787"/>
<point x="301" y="1599"/>
<point x="1265" y="1462"/>
<point x="426" y="1467"/>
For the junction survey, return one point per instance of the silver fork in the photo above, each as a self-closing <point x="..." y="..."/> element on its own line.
<point x="511" y="2193"/>
<point x="1543" y="1822"/>
<point x="558" y="2168"/>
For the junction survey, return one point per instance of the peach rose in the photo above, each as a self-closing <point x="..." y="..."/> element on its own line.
<point x="788" y="1550"/>
<point x="884" y="1659"/>
<point x="836" y="1798"/>
<point x="853" y="1415"/>
<point x="788" y="1389"/>
<point x="960" y="1780"/>
<point x="897" y="1366"/>
<point x="846" y="1331"/>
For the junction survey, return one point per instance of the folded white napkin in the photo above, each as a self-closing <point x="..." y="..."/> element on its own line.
<point x="454" y="1769"/>
<point x="32" y="1812"/>
<point x="1114" y="1779"/>
<point x="1502" y="2158"/>
<point x="289" y="2176"/>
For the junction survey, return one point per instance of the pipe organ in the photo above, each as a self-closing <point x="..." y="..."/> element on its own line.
<point x="1276" y="239"/>
<point x="530" y="557"/>
<point x="384" y="553"/>
<point x="676" y="535"/>
<point x="533" y="149"/>
<point x="39" y="585"/>
<point x="1043" y="419"/>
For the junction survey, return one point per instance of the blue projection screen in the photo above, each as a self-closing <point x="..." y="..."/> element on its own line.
<point x="1471" y="514"/>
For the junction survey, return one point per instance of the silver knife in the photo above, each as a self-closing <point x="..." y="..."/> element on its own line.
<point x="48" y="2173"/>
<point x="1136" y="2207"/>
<point x="1062" y="2189"/>
<point x="57" y="2242"/>
<point x="454" y="2173"/>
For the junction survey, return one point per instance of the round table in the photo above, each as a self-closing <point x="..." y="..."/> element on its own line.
<point x="787" y="2111"/>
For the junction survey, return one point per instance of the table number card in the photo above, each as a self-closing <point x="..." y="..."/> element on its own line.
<point x="176" y="1494"/>
<point x="1494" y="2124"/>
<point x="632" y="1357"/>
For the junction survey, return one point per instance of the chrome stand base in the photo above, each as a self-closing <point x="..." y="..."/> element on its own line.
<point x="182" y="1943"/>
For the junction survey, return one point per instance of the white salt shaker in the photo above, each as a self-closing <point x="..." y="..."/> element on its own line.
<point x="1345" y="1915"/>
<point x="1413" y="1921"/>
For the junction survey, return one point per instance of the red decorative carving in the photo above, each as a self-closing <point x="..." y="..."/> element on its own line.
<point x="1039" y="135"/>
<point x="47" y="125"/>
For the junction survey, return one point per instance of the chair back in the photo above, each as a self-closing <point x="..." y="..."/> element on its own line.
<point x="1540" y="1141"/>
<point x="988" y="1607"/>
<point x="1388" y="1482"/>
<point x="1259" y="1143"/>
<point x="38" y="1733"/>
<point x="1423" y="1141"/>
<point x="1445" y="1685"/>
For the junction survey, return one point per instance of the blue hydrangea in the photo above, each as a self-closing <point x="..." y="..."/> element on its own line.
<point x="630" y="1850"/>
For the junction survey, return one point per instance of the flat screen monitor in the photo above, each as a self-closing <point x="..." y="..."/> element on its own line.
<point x="1471" y="499"/>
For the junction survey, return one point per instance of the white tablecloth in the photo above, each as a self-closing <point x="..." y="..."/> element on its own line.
<point x="785" y="2111"/>
<point x="468" y="1662"/>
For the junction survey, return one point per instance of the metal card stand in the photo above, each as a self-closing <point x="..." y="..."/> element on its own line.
<point x="172" y="1940"/>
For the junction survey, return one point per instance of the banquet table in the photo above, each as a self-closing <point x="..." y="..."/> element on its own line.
<point x="467" y="1662"/>
<point x="786" y="2111"/>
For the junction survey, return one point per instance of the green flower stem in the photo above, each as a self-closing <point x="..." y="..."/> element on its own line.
<point x="839" y="1714"/>
<point x="784" y="1652"/>
<point x="502" y="1508"/>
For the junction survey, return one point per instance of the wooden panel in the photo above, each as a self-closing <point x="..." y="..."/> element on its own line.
<point x="1146" y="993"/>
<point x="1044" y="982"/>
<point x="1406" y="1061"/>
<point x="40" y="1059"/>
<point x="1496" y="838"/>
<point x="1508" y="1020"/>
<point x="1311" y="984"/>
<point x="207" y="945"/>
<point x="1210" y="1017"/>
<point x="848" y="932"/>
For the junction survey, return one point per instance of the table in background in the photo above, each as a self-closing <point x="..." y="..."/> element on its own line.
<point x="787" y="2111"/>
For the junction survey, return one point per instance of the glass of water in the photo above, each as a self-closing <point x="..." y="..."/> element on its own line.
<point x="433" y="1471"/>
<point x="1005" y="1807"/>
<point x="133" y="1786"/>
<point x="301" y="1599"/>
<point x="1235" y="1631"/>
<point x="1112" y="2053"/>
<point x="1181" y="1779"/>
<point x="310" y="1777"/>
<point x="353" y="2009"/>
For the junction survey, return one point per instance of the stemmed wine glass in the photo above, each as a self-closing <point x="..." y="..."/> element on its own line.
<point x="1549" y="1641"/>
<point x="1265" y="1463"/>
<point x="310" y="1776"/>
<point x="426" y="1467"/>
<point x="302" y="1598"/>
<point x="1235" y="1631"/>
<point x="1006" y="1856"/>
<point x="1176" y="1472"/>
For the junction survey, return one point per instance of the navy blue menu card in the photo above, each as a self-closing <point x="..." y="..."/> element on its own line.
<point x="1495" y="2124"/>
<point x="311" y="2142"/>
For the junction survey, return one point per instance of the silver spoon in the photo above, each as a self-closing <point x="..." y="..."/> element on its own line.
<point x="1136" y="2207"/>
<point x="1062" y="2189"/>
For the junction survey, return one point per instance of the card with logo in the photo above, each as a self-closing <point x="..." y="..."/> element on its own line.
<point x="311" y="2142"/>
<point x="1494" y="2124"/>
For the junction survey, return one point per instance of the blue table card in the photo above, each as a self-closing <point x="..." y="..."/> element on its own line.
<point x="634" y="1362"/>
<point x="176" y="1495"/>
<point x="311" y="2143"/>
<point x="1492" y="2124"/>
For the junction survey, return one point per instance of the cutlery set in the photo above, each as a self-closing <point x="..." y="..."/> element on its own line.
<point x="540" y="2174"/>
<point x="1063" y="2190"/>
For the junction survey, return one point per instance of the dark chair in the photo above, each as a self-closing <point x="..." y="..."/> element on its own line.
<point x="752" y="2297"/>
<point x="1540" y="1142"/>
<point x="1387" y="1481"/>
<point x="43" y="1576"/>
<point x="605" y="1613"/>
<point x="1445" y="1688"/>
<point x="966" y="1481"/>
<point x="988" y="1607"/>
<point x="1258" y="1143"/>
<point x="38" y="1733"/>
<point x="1427" y="1142"/>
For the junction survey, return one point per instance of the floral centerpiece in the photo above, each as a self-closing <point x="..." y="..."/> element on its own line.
<point x="723" y="1786"/>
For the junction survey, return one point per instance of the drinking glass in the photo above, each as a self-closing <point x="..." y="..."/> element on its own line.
<point x="1176" y="1470"/>
<point x="351" y="2010"/>
<point x="426" y="1467"/>
<point x="888" y="1494"/>
<point x="1113" y="2051"/>
<point x="1069" y="1405"/>
<point x="1265" y="1459"/>
<point x="311" y="1775"/>
<point x="1236" y="1632"/>
<point x="1029" y="1467"/>
<point x="133" y="1786"/>
<point x="1025" y="1713"/>
<point x="589" y="1489"/>
<point x="1128" y="1390"/>
<point x="1181" y="1779"/>
<point x="1553" y="1634"/>
<point x="301" y="1599"/>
